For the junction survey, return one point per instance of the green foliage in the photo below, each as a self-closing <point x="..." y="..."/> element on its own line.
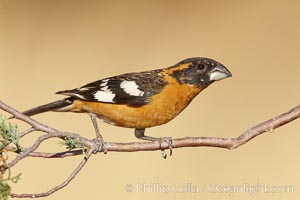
<point x="4" y="190"/>
<point x="5" y="187"/>
<point x="8" y="133"/>
<point x="73" y="143"/>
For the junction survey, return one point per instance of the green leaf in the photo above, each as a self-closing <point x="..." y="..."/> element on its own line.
<point x="74" y="143"/>
<point x="9" y="133"/>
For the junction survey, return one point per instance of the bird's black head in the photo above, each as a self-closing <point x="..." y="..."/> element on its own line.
<point x="199" y="71"/>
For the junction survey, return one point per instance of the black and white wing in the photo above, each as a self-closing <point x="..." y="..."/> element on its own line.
<point x="133" y="89"/>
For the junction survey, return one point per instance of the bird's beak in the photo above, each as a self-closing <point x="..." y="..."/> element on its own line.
<point x="218" y="73"/>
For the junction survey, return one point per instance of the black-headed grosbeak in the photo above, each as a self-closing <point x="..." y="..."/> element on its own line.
<point x="143" y="99"/>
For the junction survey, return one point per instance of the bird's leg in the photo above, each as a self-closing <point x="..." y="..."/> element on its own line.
<point x="94" y="120"/>
<point x="140" y="134"/>
<point x="99" y="139"/>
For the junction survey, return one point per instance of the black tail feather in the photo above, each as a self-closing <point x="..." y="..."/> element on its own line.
<point x="49" y="107"/>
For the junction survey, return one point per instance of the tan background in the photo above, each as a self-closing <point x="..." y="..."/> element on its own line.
<point x="46" y="46"/>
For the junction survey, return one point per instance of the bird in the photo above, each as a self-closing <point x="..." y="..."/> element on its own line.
<point x="140" y="100"/>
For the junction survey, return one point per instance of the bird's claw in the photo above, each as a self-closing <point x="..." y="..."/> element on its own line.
<point x="100" y="145"/>
<point x="168" y="140"/>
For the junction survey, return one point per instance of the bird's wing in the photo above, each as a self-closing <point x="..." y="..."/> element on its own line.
<point x="133" y="89"/>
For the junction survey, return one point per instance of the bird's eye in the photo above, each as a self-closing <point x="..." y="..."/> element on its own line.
<point x="201" y="66"/>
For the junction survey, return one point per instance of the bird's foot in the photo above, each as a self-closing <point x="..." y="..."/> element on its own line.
<point x="169" y="141"/>
<point x="100" y="145"/>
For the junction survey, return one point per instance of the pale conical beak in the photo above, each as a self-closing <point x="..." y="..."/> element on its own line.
<point x="218" y="73"/>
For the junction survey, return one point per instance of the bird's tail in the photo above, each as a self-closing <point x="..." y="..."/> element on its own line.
<point x="60" y="105"/>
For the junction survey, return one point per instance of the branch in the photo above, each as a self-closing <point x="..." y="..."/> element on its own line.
<point x="92" y="145"/>
<point x="56" y="155"/>
<point x="60" y="186"/>
<point x="229" y="143"/>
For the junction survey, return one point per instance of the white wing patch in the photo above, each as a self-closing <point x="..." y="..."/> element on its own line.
<point x="104" y="96"/>
<point x="106" y="89"/>
<point x="131" y="88"/>
<point x="104" y="82"/>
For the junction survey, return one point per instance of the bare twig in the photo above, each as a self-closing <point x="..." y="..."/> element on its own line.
<point x="228" y="143"/>
<point x="45" y="154"/>
<point x="56" y="155"/>
<point x="60" y="186"/>
<point x="42" y="138"/>
<point x="22" y="134"/>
